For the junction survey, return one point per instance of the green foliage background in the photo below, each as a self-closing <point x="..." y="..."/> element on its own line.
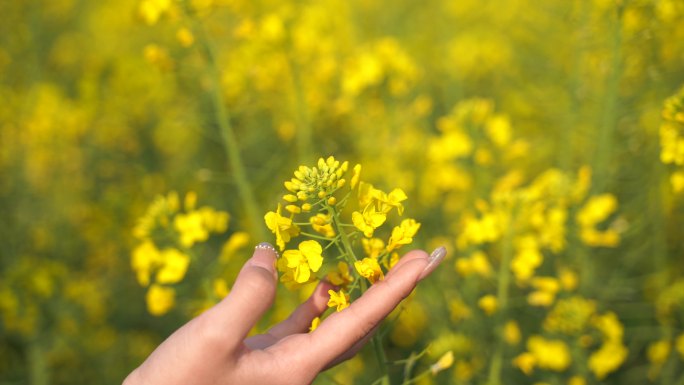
<point x="104" y="106"/>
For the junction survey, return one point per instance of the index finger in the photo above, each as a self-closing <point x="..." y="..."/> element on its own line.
<point x="339" y="332"/>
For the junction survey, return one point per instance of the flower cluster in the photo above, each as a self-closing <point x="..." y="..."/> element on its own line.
<point x="575" y="321"/>
<point x="346" y="252"/>
<point x="166" y="234"/>
<point x="672" y="138"/>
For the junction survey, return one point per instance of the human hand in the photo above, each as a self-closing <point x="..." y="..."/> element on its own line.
<point x="213" y="348"/>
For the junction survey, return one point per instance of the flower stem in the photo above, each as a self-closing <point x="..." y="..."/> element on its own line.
<point x="230" y="143"/>
<point x="502" y="301"/>
<point x="376" y="340"/>
<point x="38" y="367"/>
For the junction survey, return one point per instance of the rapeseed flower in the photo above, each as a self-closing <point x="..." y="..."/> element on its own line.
<point x="174" y="264"/>
<point x="511" y="333"/>
<point x="145" y="257"/>
<point x="549" y="354"/>
<point x="369" y="220"/>
<point x="191" y="228"/>
<point x="369" y="269"/>
<point x="282" y="227"/>
<point x="679" y="346"/>
<point x="314" y="324"/>
<point x="305" y="260"/>
<point x="338" y="299"/>
<point x="488" y="304"/>
<point x="403" y="234"/>
<point x="373" y="247"/>
<point x="160" y="299"/>
<point x="444" y="362"/>
<point x="340" y="277"/>
<point x="570" y="316"/>
<point x="607" y="359"/>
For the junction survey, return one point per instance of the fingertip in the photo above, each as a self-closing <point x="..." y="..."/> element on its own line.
<point x="265" y="257"/>
<point x="434" y="260"/>
<point x="412" y="255"/>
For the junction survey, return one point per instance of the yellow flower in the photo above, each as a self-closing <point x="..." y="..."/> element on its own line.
<point x="679" y="345"/>
<point x="220" y="287"/>
<point x="568" y="279"/>
<point x="607" y="359"/>
<point x="443" y="363"/>
<point x="355" y="176"/>
<point x="367" y="194"/>
<point x="549" y="354"/>
<point x="610" y="326"/>
<point x="677" y="181"/>
<point x="512" y="333"/>
<point x="191" y="228"/>
<point x="281" y="226"/>
<point x="213" y="220"/>
<point x="338" y="299"/>
<point x="480" y="264"/>
<point x="174" y="266"/>
<point x="341" y="276"/>
<point x="577" y="380"/>
<point x="382" y="201"/>
<point x="314" y="324"/>
<point x="488" y="304"/>
<point x="160" y="299"/>
<point x="305" y="260"/>
<point x="369" y="269"/>
<point x="392" y="200"/>
<point x="659" y="351"/>
<point x="570" y="316"/>
<point x="185" y="37"/>
<point x="596" y="209"/>
<point x="319" y="181"/>
<point x="373" y="246"/>
<point x="525" y="362"/>
<point x="369" y="220"/>
<point x="478" y="231"/>
<point x="403" y="234"/>
<point x="547" y="287"/>
<point x="237" y="240"/>
<point x="321" y="224"/>
<point x="527" y="258"/>
<point x="145" y="257"/>
<point x="287" y="276"/>
<point x="498" y="129"/>
<point x="151" y="10"/>
<point x="459" y="310"/>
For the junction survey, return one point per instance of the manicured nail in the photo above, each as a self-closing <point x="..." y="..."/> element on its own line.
<point x="267" y="246"/>
<point x="434" y="260"/>
<point x="259" y="261"/>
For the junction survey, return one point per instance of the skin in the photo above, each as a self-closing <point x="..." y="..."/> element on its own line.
<point x="213" y="348"/>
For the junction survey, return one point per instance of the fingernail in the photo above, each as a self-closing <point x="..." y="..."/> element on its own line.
<point x="260" y="262"/>
<point x="267" y="246"/>
<point x="434" y="260"/>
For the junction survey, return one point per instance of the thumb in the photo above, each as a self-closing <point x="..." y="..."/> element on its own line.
<point x="251" y="295"/>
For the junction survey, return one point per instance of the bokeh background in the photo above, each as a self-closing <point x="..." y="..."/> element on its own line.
<point x="540" y="142"/>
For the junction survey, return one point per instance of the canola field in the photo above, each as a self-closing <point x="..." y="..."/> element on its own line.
<point x="146" y="147"/>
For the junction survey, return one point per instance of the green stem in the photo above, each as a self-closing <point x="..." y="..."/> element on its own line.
<point x="38" y="368"/>
<point x="375" y="340"/>
<point x="504" y="278"/>
<point x="316" y="236"/>
<point x="230" y="143"/>
<point x="565" y="148"/>
<point x="610" y="105"/>
<point x="304" y="132"/>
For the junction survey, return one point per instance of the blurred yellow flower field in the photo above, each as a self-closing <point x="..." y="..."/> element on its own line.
<point x="146" y="147"/>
